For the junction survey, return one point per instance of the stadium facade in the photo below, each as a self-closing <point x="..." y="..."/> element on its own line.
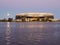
<point x="42" y="17"/>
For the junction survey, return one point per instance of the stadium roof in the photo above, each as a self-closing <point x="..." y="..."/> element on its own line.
<point x="34" y="14"/>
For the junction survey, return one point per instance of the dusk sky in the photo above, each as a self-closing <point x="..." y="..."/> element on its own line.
<point x="19" y="6"/>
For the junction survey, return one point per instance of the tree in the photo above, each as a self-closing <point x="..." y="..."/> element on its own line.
<point x="10" y="19"/>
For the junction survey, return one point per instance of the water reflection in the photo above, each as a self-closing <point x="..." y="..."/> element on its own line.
<point x="30" y="33"/>
<point x="35" y="26"/>
<point x="8" y="32"/>
<point x="31" y="25"/>
<point x="38" y="33"/>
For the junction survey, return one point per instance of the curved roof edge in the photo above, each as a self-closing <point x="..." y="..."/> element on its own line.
<point x="35" y="14"/>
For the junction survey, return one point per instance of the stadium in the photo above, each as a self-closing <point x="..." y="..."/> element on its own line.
<point x="27" y="17"/>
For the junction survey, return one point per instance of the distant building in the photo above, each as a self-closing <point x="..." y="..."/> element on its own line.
<point x="34" y="17"/>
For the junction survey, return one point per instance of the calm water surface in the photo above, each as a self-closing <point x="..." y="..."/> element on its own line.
<point x="29" y="33"/>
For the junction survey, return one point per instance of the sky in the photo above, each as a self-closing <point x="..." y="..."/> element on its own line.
<point x="13" y="7"/>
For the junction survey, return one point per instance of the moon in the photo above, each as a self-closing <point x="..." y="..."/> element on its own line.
<point x="8" y="14"/>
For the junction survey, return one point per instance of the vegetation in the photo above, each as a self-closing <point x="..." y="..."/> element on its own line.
<point x="58" y="20"/>
<point x="10" y="19"/>
<point x="5" y="20"/>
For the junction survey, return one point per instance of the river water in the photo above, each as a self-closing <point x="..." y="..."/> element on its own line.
<point x="29" y="33"/>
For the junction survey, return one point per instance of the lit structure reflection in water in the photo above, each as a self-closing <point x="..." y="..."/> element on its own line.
<point x="32" y="25"/>
<point x="8" y="32"/>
